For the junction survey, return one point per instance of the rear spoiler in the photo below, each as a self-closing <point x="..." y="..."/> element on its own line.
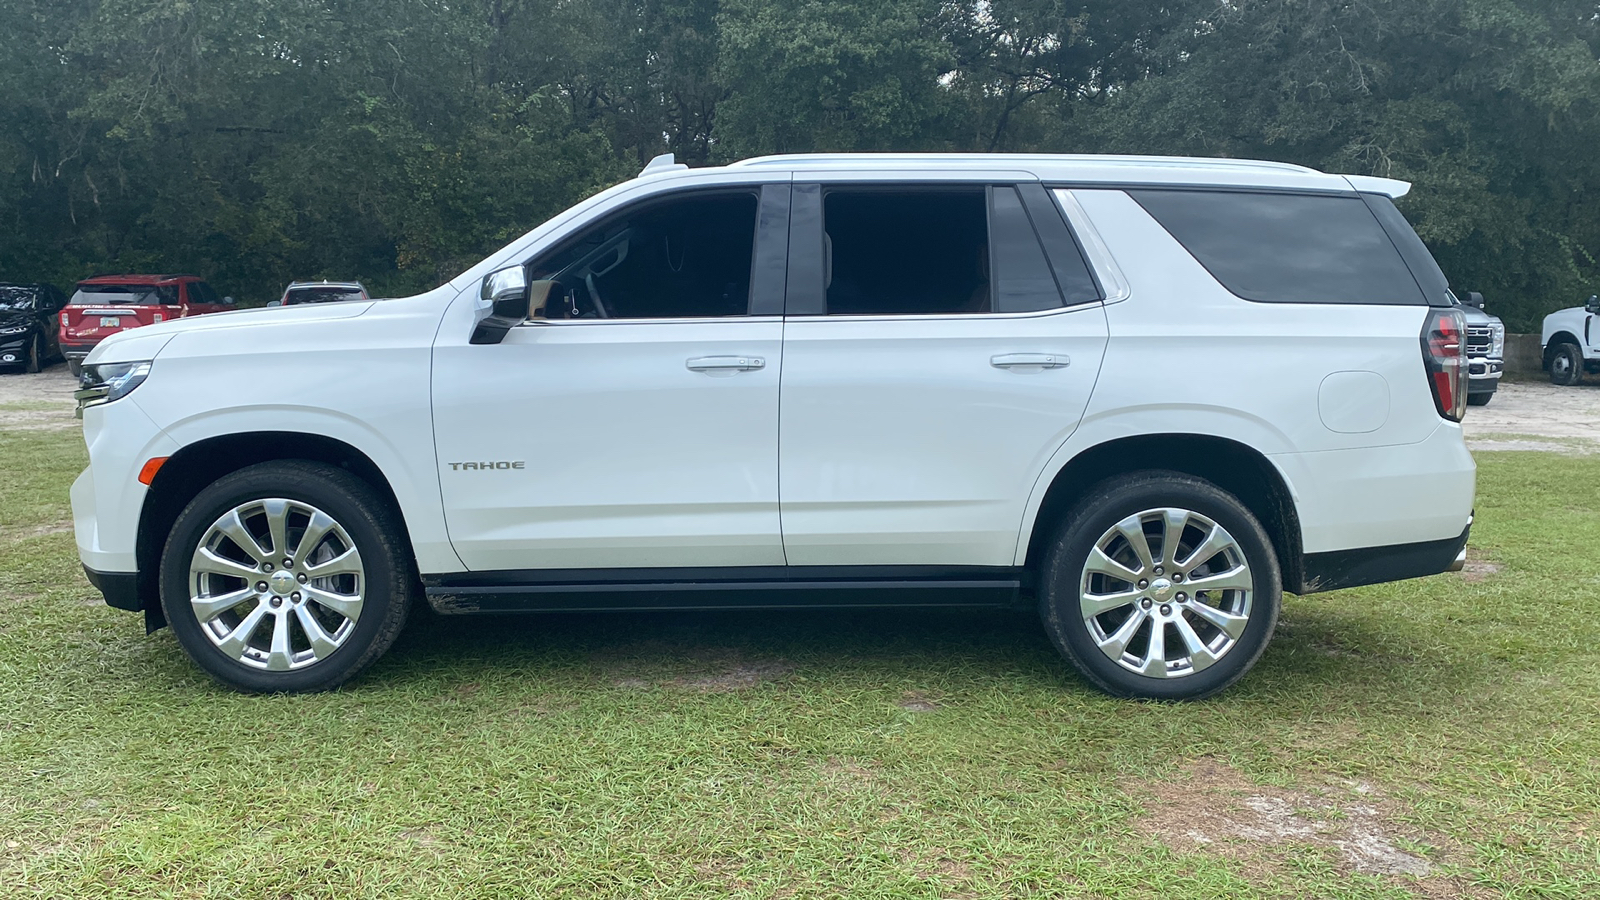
<point x="1371" y="184"/>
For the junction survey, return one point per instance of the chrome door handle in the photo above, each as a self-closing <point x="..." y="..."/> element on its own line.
<point x="740" y="363"/>
<point x="1042" y="360"/>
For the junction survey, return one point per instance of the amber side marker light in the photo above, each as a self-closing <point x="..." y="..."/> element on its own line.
<point x="151" y="467"/>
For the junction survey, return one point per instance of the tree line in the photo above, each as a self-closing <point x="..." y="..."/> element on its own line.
<point x="397" y="141"/>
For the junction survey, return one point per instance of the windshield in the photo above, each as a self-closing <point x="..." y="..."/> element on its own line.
<point x="135" y="294"/>
<point x="18" y="297"/>
<point x="322" y="294"/>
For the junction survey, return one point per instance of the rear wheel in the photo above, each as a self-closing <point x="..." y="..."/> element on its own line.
<point x="1566" y="364"/>
<point x="1161" y="586"/>
<point x="75" y="367"/>
<point x="35" y="359"/>
<point x="286" y="576"/>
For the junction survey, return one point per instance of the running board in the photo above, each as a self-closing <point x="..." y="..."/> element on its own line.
<point x="569" y="591"/>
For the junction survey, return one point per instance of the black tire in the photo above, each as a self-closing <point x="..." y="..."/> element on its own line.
<point x="1480" y="399"/>
<point x="75" y="367"/>
<point x="1063" y="572"/>
<point x="389" y="581"/>
<point x="33" y="363"/>
<point x="1566" y="364"/>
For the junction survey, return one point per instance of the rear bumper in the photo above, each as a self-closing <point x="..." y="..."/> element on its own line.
<point x="1382" y="496"/>
<point x="1374" y="565"/>
<point x="76" y="351"/>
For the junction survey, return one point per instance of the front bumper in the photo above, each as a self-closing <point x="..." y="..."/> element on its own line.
<point x="1483" y="374"/>
<point x="121" y="589"/>
<point x="14" y="349"/>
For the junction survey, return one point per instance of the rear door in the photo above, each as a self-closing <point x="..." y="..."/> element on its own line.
<point x="200" y="298"/>
<point x="941" y="343"/>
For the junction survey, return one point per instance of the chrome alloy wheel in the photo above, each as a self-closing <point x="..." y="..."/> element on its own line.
<point x="1166" y="593"/>
<point x="277" y="584"/>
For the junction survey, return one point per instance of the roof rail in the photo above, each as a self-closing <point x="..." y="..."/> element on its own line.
<point x="666" y="162"/>
<point x="1013" y="158"/>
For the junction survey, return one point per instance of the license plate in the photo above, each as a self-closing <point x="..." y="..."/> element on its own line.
<point x="110" y="321"/>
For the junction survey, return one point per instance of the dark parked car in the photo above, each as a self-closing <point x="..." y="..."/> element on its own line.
<point x="28" y="327"/>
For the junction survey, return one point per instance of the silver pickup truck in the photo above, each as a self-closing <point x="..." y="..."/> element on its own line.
<point x="1486" y="347"/>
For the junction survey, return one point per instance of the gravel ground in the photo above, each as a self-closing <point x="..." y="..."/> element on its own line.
<point x="1538" y="416"/>
<point x="38" y="402"/>
<point x="1522" y="415"/>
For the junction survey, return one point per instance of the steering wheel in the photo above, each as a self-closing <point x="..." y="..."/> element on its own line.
<point x="594" y="297"/>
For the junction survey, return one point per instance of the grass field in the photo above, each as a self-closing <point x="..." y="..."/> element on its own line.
<point x="1431" y="738"/>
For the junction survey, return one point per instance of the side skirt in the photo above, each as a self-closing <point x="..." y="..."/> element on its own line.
<point x="574" y="590"/>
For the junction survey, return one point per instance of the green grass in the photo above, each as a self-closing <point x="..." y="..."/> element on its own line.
<point x="584" y="755"/>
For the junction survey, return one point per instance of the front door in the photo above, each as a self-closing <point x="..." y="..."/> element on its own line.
<point x="944" y="349"/>
<point x="636" y="425"/>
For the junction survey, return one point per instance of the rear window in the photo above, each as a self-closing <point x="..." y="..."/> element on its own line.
<point x="322" y="294"/>
<point x="129" y="294"/>
<point x="1287" y="248"/>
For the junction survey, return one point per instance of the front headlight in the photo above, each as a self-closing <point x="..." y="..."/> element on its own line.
<point x="105" y="382"/>
<point x="15" y="330"/>
<point x="1499" y="348"/>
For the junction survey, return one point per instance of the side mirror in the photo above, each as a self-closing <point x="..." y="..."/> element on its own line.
<point x="512" y="300"/>
<point x="1594" y="304"/>
<point x="1475" y="299"/>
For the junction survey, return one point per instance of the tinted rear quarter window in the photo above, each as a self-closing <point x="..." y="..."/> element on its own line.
<point x="1287" y="248"/>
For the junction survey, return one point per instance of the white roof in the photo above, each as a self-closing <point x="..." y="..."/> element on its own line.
<point x="1085" y="169"/>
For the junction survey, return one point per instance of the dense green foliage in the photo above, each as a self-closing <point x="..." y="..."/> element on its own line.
<point x="395" y="141"/>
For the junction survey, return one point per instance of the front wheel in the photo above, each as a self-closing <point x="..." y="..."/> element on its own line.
<point x="35" y="361"/>
<point x="1480" y="399"/>
<point x="286" y="577"/>
<point x="1160" y="586"/>
<point x="1566" y="364"/>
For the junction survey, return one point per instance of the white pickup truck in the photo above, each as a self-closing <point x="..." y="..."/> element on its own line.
<point x="1570" y="339"/>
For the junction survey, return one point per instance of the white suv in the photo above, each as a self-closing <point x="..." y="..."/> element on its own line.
<point x="1148" y="395"/>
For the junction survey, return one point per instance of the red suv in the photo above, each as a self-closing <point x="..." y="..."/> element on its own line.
<point x="106" y="304"/>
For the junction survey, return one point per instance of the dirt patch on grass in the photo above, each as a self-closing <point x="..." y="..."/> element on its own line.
<point x="736" y="678"/>
<point x="1478" y="568"/>
<point x="723" y="678"/>
<point x="917" y="701"/>
<point x="1211" y="808"/>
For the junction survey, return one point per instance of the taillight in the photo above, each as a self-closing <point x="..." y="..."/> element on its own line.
<point x="1444" y="354"/>
<point x="63" y="318"/>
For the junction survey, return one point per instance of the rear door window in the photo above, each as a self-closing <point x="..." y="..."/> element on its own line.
<point x="942" y="250"/>
<point x="1287" y="248"/>
<point x="200" y="292"/>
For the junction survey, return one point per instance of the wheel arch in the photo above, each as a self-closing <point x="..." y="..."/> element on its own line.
<point x="190" y="470"/>
<point x="1556" y="340"/>
<point x="1233" y="466"/>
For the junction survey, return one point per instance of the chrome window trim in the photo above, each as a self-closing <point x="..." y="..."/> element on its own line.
<point x="1112" y="281"/>
<point x="658" y="320"/>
